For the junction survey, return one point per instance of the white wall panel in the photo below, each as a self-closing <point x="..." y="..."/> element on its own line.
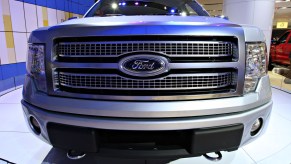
<point x="3" y="54"/>
<point x="52" y="16"/>
<point x="76" y="15"/>
<point x="27" y="35"/>
<point x="30" y="17"/>
<point x="263" y="19"/>
<point x="20" y="41"/>
<point x="60" y="16"/>
<point x="1" y="17"/>
<point x="245" y="16"/>
<point x="17" y="16"/>
<point x="39" y="16"/>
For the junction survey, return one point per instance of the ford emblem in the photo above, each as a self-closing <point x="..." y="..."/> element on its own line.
<point x="144" y="65"/>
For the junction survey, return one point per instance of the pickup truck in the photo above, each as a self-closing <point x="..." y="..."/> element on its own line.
<point x="147" y="79"/>
<point x="280" y="52"/>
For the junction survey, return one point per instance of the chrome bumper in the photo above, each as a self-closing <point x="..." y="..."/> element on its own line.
<point x="245" y="118"/>
<point x="150" y="116"/>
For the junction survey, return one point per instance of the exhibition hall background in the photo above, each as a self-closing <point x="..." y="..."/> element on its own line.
<point x="18" y="18"/>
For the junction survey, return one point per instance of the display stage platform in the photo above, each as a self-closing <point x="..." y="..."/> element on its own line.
<point x="18" y="145"/>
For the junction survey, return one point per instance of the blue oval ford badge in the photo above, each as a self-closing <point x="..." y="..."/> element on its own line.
<point x="144" y="65"/>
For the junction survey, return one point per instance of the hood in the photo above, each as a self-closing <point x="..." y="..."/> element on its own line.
<point x="252" y="33"/>
<point x="138" y="26"/>
<point x="147" y="20"/>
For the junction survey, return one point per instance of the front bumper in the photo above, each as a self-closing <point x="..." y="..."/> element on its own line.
<point x="150" y="116"/>
<point x="246" y="119"/>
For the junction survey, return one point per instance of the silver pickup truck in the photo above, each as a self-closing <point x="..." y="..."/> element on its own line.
<point x="147" y="79"/>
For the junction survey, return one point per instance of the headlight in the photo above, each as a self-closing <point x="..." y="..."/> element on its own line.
<point x="35" y="65"/>
<point x="256" y="65"/>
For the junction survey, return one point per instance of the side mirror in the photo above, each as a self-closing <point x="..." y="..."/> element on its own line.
<point x="73" y="18"/>
<point x="222" y="17"/>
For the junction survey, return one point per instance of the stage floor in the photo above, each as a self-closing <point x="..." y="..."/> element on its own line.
<point x="18" y="145"/>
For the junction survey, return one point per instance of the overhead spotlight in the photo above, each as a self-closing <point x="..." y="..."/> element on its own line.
<point x="278" y="1"/>
<point x="136" y="3"/>
<point x="183" y="14"/>
<point x="114" y="6"/>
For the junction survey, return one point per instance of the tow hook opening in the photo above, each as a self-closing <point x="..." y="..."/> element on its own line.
<point x="75" y="155"/>
<point x="215" y="158"/>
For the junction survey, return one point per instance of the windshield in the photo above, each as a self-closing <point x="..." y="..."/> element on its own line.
<point x="105" y="8"/>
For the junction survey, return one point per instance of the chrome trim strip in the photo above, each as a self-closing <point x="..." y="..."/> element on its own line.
<point x="146" y="98"/>
<point x="122" y="42"/>
<point x="171" y="65"/>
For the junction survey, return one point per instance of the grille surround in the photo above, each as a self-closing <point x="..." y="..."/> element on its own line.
<point x="168" y="48"/>
<point x="170" y="82"/>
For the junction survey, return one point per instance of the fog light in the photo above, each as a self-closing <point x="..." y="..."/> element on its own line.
<point x="256" y="127"/>
<point x="35" y="125"/>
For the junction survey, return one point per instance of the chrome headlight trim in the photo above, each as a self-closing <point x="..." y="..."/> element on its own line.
<point x="256" y="65"/>
<point x="35" y="65"/>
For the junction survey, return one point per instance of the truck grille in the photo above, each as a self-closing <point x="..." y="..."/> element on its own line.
<point x="89" y="67"/>
<point x="171" y="82"/>
<point x="173" y="48"/>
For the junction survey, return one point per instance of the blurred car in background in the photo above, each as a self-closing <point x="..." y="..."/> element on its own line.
<point x="280" y="52"/>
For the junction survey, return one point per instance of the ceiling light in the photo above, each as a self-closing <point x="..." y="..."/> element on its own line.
<point x="183" y="14"/>
<point x="279" y="1"/>
<point x="114" y="5"/>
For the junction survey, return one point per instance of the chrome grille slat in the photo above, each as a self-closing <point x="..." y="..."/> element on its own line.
<point x="170" y="48"/>
<point x="170" y="82"/>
